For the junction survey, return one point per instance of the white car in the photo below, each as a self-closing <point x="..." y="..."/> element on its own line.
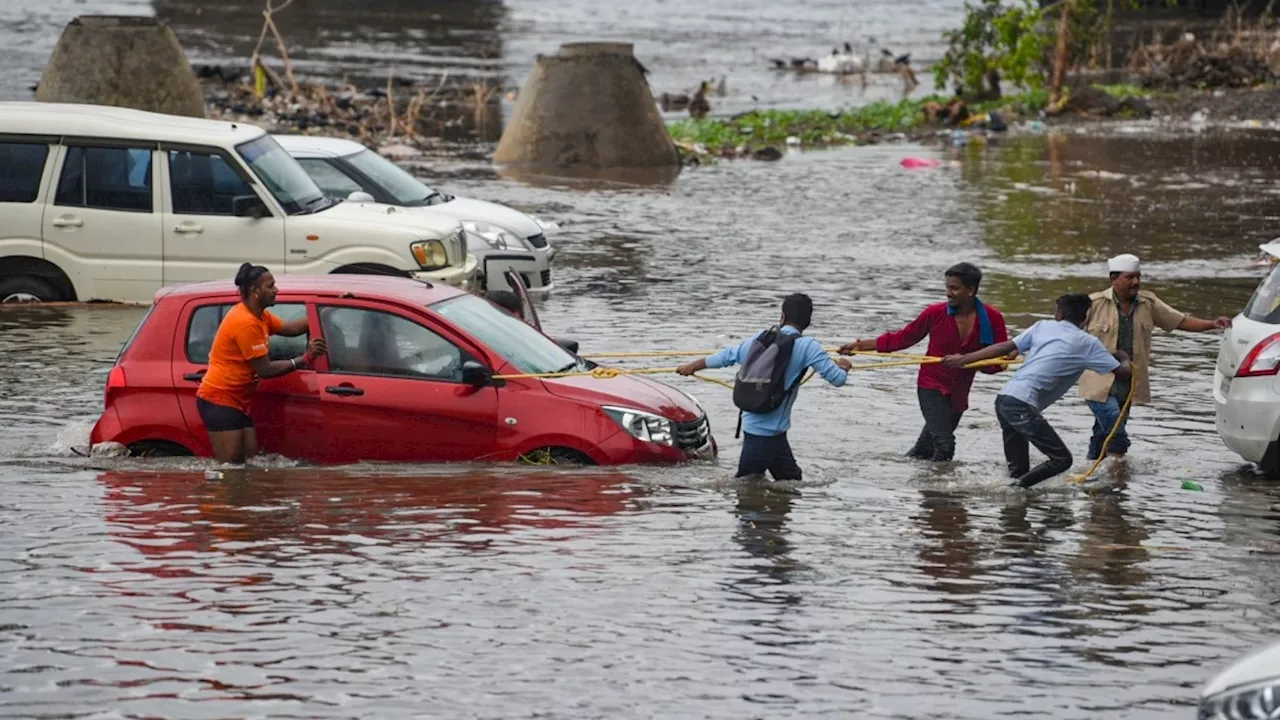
<point x="1246" y="381"/>
<point x="1248" y="689"/>
<point x="501" y="237"/>
<point x="108" y="203"/>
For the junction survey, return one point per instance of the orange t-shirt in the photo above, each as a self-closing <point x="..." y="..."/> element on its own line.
<point x="230" y="380"/>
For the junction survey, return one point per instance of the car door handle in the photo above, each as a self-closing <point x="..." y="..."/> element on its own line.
<point x="195" y="376"/>
<point x="343" y="390"/>
<point x="68" y="222"/>
<point x="187" y="228"/>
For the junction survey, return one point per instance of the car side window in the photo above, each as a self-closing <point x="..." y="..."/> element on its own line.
<point x="105" y="178"/>
<point x="21" y="167"/>
<point x="371" y="342"/>
<point x="206" y="319"/>
<point x="204" y="183"/>
<point x="330" y="179"/>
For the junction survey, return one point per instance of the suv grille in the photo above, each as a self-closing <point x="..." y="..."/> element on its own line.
<point x="537" y="241"/>
<point x="692" y="435"/>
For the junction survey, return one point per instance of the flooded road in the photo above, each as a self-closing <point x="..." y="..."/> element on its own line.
<point x="878" y="588"/>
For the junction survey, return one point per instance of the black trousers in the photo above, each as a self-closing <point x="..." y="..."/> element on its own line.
<point x="1023" y="425"/>
<point x="770" y="454"/>
<point x="937" y="440"/>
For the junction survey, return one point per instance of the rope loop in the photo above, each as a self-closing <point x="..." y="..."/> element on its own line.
<point x="604" y="373"/>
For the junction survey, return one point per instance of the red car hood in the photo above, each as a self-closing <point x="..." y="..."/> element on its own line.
<point x="628" y="391"/>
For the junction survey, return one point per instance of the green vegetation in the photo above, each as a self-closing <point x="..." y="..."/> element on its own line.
<point x="1123" y="91"/>
<point x="815" y="128"/>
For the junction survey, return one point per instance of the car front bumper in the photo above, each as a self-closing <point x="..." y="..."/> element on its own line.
<point x="1247" y="413"/>
<point x="465" y="276"/>
<point x="623" y="449"/>
<point x="533" y="266"/>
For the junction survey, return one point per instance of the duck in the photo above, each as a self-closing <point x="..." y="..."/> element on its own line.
<point x="795" y="64"/>
<point x="841" y="63"/>
<point x="698" y="106"/>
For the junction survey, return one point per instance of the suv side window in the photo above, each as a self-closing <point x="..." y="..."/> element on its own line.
<point x="203" y="183"/>
<point x="206" y="319"/>
<point x="370" y="342"/>
<point x="105" y="178"/>
<point x="21" y="167"/>
<point x="330" y="179"/>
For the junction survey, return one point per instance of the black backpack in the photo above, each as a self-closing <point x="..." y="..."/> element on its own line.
<point x="760" y="385"/>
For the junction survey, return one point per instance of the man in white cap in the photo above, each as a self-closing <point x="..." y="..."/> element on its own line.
<point x="1123" y="318"/>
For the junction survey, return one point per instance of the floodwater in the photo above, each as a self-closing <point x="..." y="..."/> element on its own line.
<point x="877" y="588"/>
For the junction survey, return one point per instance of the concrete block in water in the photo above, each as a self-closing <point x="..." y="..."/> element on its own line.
<point x="588" y="106"/>
<point x="124" y="61"/>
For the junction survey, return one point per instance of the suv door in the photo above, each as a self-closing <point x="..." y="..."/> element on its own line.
<point x="104" y="219"/>
<point x="393" y="390"/>
<point x="203" y="237"/>
<point x="286" y="410"/>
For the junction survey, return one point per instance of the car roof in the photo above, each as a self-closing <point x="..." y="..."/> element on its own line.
<point x="313" y="146"/>
<point x="364" y="287"/>
<point x="75" y="119"/>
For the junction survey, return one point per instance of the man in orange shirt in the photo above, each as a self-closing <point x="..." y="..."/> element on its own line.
<point x="239" y="358"/>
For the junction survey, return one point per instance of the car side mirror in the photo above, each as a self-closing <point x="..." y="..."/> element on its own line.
<point x="476" y="375"/>
<point x="249" y="206"/>
<point x="570" y="345"/>
<point x="361" y="196"/>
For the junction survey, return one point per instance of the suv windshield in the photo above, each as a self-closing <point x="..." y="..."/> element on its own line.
<point x="398" y="183"/>
<point x="283" y="176"/>
<point x="510" y="337"/>
<point x="1264" y="306"/>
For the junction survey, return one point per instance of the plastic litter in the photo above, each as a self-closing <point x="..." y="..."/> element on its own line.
<point x="919" y="162"/>
<point x="1191" y="485"/>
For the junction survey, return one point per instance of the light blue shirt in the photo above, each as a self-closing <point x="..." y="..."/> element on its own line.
<point x="805" y="353"/>
<point x="1056" y="353"/>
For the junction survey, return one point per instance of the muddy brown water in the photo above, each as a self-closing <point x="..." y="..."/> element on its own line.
<point x="877" y="588"/>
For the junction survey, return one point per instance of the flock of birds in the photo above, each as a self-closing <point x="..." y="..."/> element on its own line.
<point x="842" y="61"/>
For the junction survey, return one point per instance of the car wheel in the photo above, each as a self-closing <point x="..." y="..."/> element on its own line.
<point x="555" y="456"/>
<point x="26" y="289"/>
<point x="158" y="448"/>
<point x="1270" y="463"/>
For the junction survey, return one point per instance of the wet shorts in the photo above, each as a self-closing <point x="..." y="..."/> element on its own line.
<point x="220" y="418"/>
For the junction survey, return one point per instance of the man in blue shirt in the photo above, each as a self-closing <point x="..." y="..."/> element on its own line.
<point x="1057" y="351"/>
<point x="764" y="444"/>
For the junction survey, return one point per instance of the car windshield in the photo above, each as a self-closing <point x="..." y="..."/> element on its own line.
<point x="1264" y="306"/>
<point x="283" y="176"/>
<point x="397" y="182"/>
<point x="521" y="345"/>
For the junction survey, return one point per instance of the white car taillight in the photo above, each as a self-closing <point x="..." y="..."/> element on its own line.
<point x="1263" y="359"/>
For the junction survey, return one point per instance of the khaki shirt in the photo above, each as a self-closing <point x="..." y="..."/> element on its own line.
<point x="1103" y="322"/>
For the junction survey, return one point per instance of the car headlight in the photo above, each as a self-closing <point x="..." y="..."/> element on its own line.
<point x="496" y="237"/>
<point x="1247" y="702"/>
<point x="430" y="254"/>
<point x="642" y="426"/>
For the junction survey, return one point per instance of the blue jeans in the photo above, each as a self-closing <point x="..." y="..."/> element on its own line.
<point x="1105" y="415"/>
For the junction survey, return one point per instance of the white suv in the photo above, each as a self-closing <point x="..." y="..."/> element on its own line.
<point x="501" y="237"/>
<point x="1246" y="381"/>
<point x="107" y="203"/>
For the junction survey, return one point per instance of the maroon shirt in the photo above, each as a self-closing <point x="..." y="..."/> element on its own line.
<point x="944" y="339"/>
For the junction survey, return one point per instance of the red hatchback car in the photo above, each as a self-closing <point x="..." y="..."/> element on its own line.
<point x="408" y="378"/>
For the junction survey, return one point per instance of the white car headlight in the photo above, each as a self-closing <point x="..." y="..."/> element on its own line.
<point x="495" y="237"/>
<point x="1260" y="700"/>
<point x="642" y="426"/>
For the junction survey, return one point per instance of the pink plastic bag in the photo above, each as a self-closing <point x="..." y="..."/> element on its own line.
<point x="919" y="162"/>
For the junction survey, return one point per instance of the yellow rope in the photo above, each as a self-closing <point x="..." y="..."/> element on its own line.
<point x="907" y="359"/>
<point x="606" y="373"/>
<point x="1124" y="412"/>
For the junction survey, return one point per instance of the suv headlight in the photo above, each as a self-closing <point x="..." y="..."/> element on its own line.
<point x="494" y="236"/>
<point x="1260" y="700"/>
<point x="430" y="254"/>
<point x="643" y="426"/>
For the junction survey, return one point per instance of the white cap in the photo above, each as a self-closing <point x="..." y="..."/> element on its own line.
<point x="1123" y="264"/>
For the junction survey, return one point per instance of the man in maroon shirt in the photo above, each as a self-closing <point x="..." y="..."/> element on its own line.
<point x="962" y="324"/>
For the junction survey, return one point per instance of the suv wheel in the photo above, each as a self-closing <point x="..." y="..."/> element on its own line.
<point x="26" y="289"/>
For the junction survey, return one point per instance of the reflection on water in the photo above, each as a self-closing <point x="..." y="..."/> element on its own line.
<point x="141" y="588"/>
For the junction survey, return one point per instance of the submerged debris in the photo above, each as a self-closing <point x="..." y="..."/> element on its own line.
<point x="1242" y="61"/>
